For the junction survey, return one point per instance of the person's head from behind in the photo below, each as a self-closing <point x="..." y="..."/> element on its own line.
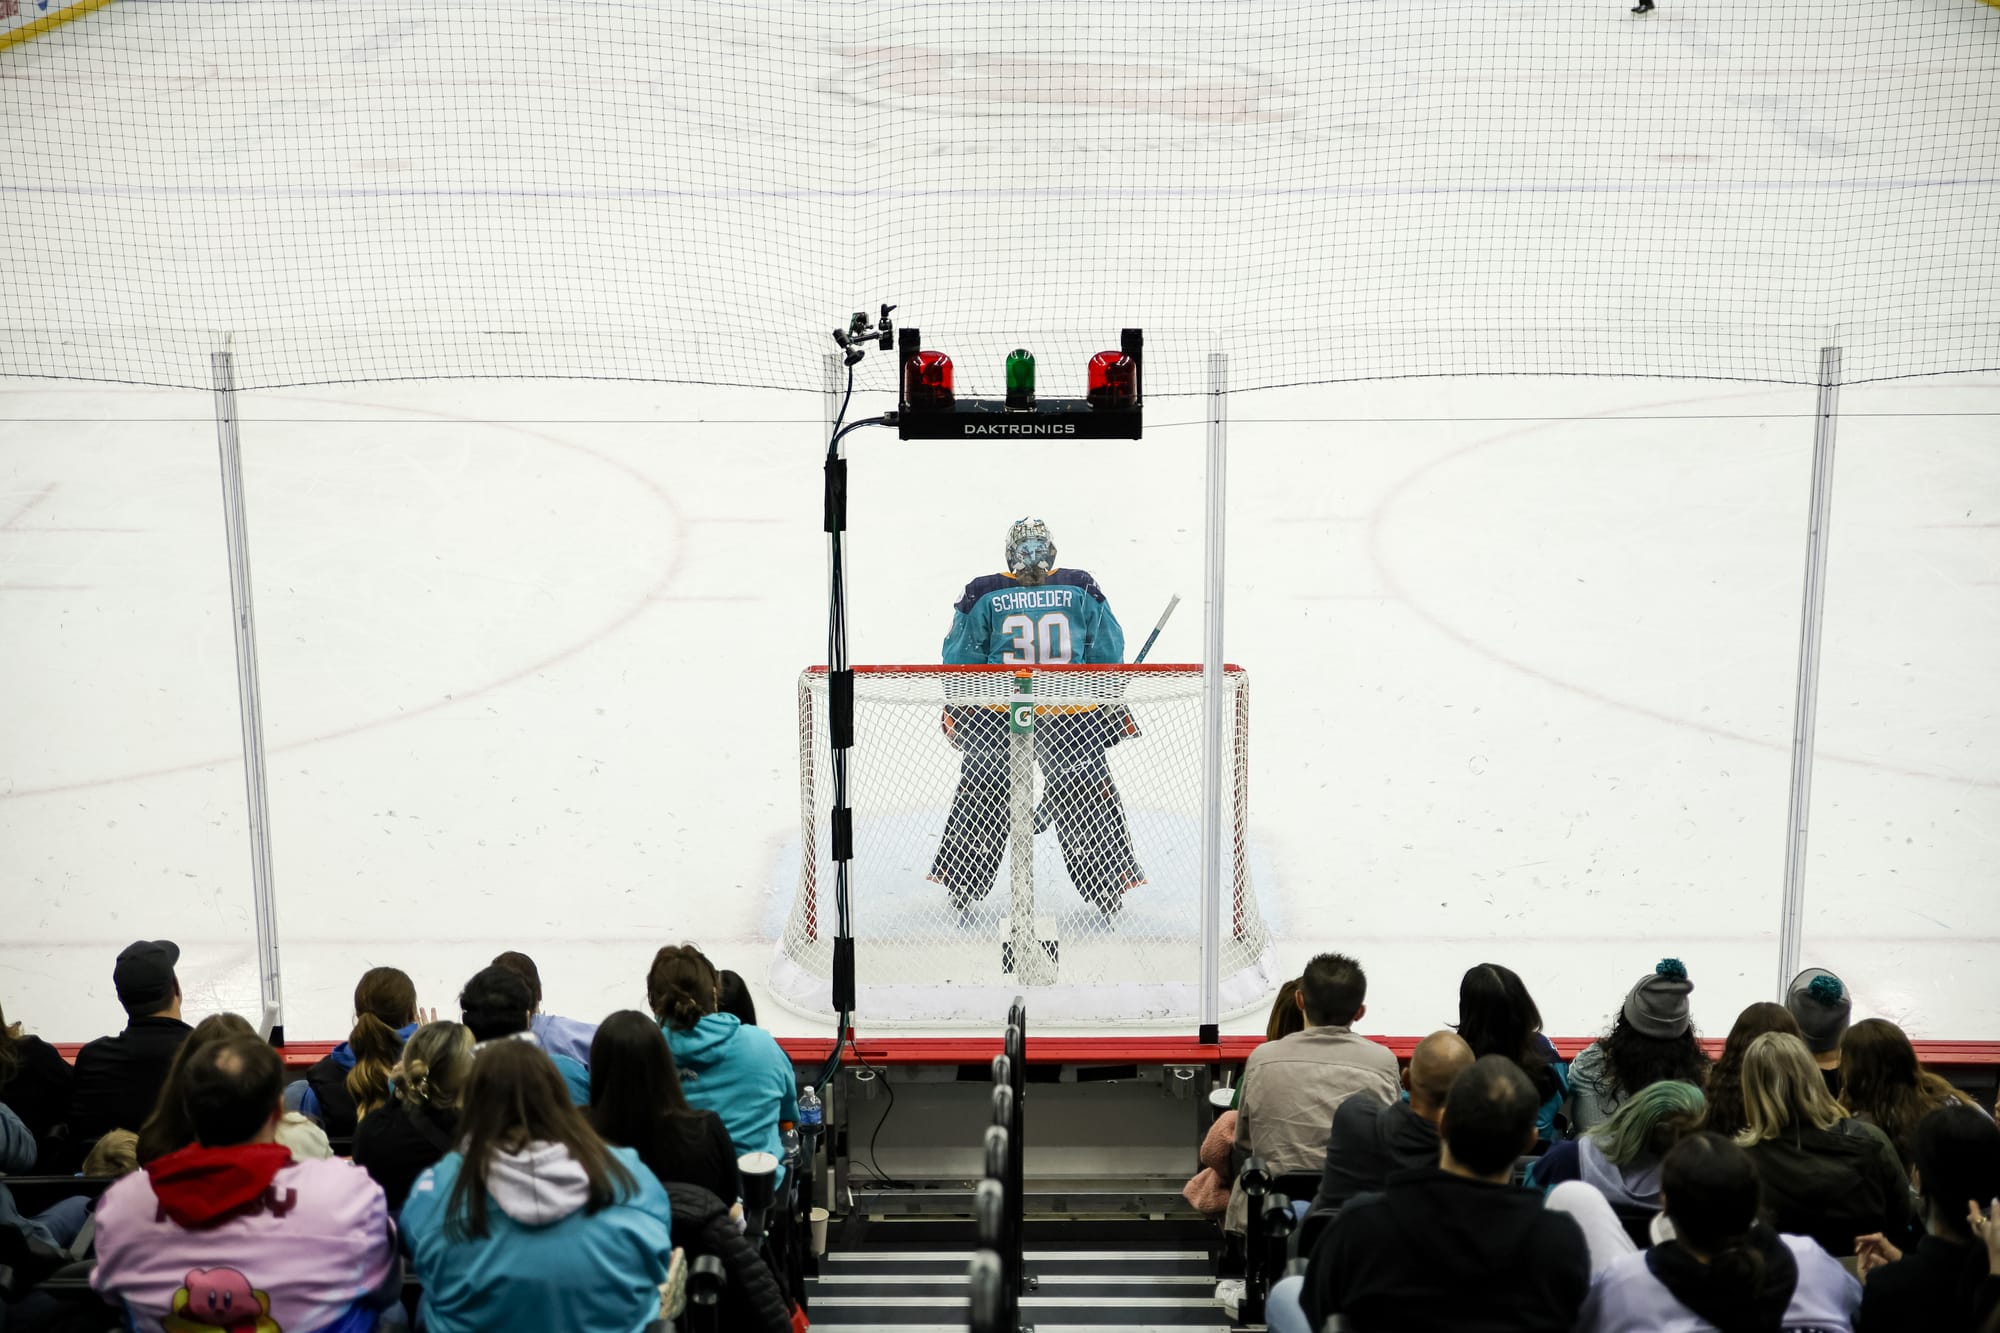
<point x="1650" y="1122"/>
<point x="496" y="1003"/>
<point x="1286" y="1015"/>
<point x="516" y="961"/>
<point x="1955" y="1163"/>
<point x="435" y="1064"/>
<point x="1333" y="991"/>
<point x="633" y="1081"/>
<point x="1653" y="1037"/>
<point x="115" y="1154"/>
<point x="681" y="986"/>
<point x="385" y="1002"/>
<point x="1881" y="1078"/>
<point x="145" y="980"/>
<point x="1782" y="1088"/>
<point x="734" y="998"/>
<point x="515" y="1099"/>
<point x="1434" y="1066"/>
<point x="234" y="1090"/>
<point x="1820" y="1003"/>
<point x="1755" y="1020"/>
<point x="1708" y="1187"/>
<point x="168" y="1127"/>
<point x="1496" y="1015"/>
<point x="1489" y="1118"/>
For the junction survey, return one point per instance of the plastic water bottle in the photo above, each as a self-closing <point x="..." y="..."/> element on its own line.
<point x="811" y="1114"/>
<point x="788" y="1141"/>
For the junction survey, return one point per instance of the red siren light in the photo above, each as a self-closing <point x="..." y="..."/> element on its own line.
<point x="1114" y="381"/>
<point x="927" y="383"/>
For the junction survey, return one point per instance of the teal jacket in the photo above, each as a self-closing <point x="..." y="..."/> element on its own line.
<point x="741" y="1074"/>
<point x="544" y="1262"/>
<point x="1065" y="619"/>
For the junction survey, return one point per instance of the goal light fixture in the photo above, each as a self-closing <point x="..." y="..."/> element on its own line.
<point x="1113" y="406"/>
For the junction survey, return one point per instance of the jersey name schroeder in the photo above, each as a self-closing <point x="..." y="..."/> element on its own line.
<point x="1032" y="599"/>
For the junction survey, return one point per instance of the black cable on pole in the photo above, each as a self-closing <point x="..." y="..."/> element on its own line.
<point x="840" y="708"/>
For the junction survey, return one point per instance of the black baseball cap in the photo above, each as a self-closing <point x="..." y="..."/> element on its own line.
<point x="144" y="975"/>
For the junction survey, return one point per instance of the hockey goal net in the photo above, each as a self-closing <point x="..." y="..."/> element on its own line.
<point x="1101" y="917"/>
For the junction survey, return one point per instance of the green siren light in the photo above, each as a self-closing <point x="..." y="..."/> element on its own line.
<point x="1020" y="378"/>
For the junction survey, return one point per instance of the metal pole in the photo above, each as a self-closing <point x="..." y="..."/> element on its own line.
<point x="1806" y="708"/>
<point x="1032" y="966"/>
<point x="1216" y="763"/>
<point x="249" y="699"/>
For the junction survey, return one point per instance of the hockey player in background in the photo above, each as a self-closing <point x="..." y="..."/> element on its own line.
<point x="1036" y="614"/>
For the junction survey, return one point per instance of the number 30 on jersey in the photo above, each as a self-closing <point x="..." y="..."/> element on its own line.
<point x="1046" y="641"/>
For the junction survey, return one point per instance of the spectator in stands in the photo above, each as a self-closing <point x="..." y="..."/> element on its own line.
<point x="636" y="1102"/>
<point x="1824" y="1174"/>
<point x="118" y="1078"/>
<point x="56" y="1226"/>
<point x="1985" y="1225"/>
<point x="1286" y="1015"/>
<point x="533" y="1222"/>
<point x="418" y="1126"/>
<point x="1724" y="1115"/>
<point x="1724" y="1269"/>
<point x="116" y="1154"/>
<point x="1371" y="1140"/>
<point x="1622" y="1157"/>
<point x="353" y="1079"/>
<point x="1819" y="1001"/>
<point x="1456" y="1248"/>
<point x="558" y="1036"/>
<point x="735" y="998"/>
<point x="1883" y="1083"/>
<point x="738" y="1072"/>
<point x="1291" y="1087"/>
<point x="1497" y="1016"/>
<point x="1652" y="1039"/>
<point x="753" y="1301"/>
<point x="170" y="1126"/>
<point x="232" y="1231"/>
<point x="35" y="1084"/>
<point x="498" y="1003"/>
<point x="1933" y="1288"/>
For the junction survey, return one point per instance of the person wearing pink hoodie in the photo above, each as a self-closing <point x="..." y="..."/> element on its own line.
<point x="232" y="1233"/>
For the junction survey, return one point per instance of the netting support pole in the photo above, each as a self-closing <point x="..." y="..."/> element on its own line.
<point x="249" y="699"/>
<point x="1806" y="708"/>
<point x="1216" y="761"/>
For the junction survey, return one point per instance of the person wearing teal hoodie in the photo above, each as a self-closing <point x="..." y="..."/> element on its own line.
<point x="738" y="1072"/>
<point x="535" y="1223"/>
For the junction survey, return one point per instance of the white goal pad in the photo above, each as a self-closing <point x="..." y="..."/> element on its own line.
<point x="1099" y="921"/>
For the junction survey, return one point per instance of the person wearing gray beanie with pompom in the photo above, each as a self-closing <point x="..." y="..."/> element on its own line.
<point x="1650" y="1041"/>
<point x="1820" y="1002"/>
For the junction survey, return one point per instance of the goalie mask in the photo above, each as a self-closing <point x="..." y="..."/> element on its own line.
<point x="1031" y="552"/>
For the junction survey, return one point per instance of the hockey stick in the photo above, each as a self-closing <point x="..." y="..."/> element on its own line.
<point x="1042" y="817"/>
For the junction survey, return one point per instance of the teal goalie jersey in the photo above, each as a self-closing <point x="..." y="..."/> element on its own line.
<point x="1002" y="621"/>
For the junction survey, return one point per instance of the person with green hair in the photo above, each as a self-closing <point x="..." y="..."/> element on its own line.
<point x="1621" y="1157"/>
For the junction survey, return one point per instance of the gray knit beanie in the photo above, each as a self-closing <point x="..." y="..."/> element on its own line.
<point x="1657" y="1006"/>
<point x="1822" y="1007"/>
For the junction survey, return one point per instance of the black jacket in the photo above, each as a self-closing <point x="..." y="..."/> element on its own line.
<point x="328" y="1080"/>
<point x="1834" y="1185"/>
<point x="394" y="1145"/>
<point x="118" y="1079"/>
<point x="1933" y="1288"/>
<point x="1369" y="1142"/>
<point x="1438" y="1253"/>
<point x="753" y="1302"/>
<point x="39" y="1093"/>
<point x="692" y="1149"/>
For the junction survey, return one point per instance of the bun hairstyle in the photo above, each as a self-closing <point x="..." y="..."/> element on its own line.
<point x="681" y="986"/>
<point x="1711" y="1190"/>
<point x="385" y="1000"/>
<point x="436" y="1062"/>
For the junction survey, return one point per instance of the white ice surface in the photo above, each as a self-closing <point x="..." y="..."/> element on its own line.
<point x="1522" y="653"/>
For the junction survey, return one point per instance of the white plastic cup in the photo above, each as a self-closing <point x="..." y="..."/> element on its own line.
<point x="819" y="1218"/>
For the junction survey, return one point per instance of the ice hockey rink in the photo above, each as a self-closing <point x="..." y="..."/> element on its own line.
<point x="1523" y="653"/>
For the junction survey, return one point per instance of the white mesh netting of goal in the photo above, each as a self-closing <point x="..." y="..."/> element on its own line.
<point x="1101" y="923"/>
